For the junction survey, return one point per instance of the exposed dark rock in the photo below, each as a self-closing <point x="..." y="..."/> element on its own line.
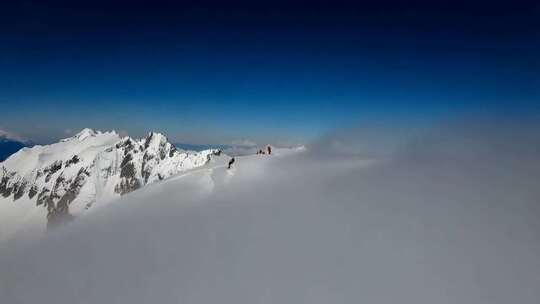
<point x="60" y="184"/>
<point x="58" y="212"/>
<point x="19" y="190"/>
<point x="126" y="160"/>
<point x="52" y="169"/>
<point x="128" y="147"/>
<point x="108" y="171"/>
<point x="145" y="172"/>
<point x="162" y="152"/>
<point x="148" y="140"/>
<point x="43" y="197"/>
<point x="172" y="151"/>
<point x="128" y="171"/>
<point x="75" y="159"/>
<point x="33" y="191"/>
<point x="127" y="185"/>
<point x="128" y="182"/>
<point x="7" y="191"/>
<point x="5" y="187"/>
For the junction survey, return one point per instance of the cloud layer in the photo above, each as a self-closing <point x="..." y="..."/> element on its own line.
<point x="447" y="215"/>
<point x="11" y="136"/>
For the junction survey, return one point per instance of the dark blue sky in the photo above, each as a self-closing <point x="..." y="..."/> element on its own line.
<point x="216" y="72"/>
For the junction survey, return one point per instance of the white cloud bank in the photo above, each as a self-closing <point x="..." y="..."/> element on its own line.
<point x="449" y="217"/>
<point x="11" y="136"/>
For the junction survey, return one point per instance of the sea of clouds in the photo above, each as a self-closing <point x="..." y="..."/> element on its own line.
<point x="447" y="214"/>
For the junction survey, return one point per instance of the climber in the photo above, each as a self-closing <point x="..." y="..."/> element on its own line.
<point x="269" y="150"/>
<point x="231" y="162"/>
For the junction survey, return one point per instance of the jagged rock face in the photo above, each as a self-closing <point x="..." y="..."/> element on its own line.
<point x="152" y="159"/>
<point x="7" y="182"/>
<point x="128" y="176"/>
<point x="65" y="192"/>
<point x="89" y="166"/>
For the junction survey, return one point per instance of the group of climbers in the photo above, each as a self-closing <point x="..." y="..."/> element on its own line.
<point x="260" y="151"/>
<point x="268" y="148"/>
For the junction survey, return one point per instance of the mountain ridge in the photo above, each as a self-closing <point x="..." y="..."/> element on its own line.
<point x="71" y="175"/>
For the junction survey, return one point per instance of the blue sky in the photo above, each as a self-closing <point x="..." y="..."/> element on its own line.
<point x="210" y="73"/>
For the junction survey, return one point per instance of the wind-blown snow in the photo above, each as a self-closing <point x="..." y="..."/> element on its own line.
<point x="450" y="218"/>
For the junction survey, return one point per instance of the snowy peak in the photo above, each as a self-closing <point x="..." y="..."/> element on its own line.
<point x="156" y="142"/>
<point x="155" y="137"/>
<point x="152" y="159"/>
<point x="85" y="133"/>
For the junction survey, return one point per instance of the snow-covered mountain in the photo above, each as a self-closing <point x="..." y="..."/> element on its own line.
<point x="68" y="177"/>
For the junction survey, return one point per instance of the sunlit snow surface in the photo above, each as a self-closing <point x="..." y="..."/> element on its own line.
<point x="442" y="221"/>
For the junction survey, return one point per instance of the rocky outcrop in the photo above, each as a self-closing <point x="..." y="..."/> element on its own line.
<point x="64" y="193"/>
<point x="152" y="159"/>
<point x="128" y="178"/>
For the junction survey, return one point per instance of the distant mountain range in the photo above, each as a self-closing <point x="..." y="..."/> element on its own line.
<point x="10" y="146"/>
